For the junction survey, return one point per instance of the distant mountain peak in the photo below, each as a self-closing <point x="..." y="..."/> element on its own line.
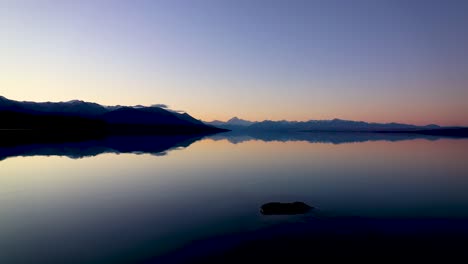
<point x="232" y="123"/>
<point x="239" y="122"/>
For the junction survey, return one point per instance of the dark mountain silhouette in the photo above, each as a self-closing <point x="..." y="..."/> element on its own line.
<point x="239" y="122"/>
<point x="142" y="116"/>
<point x="21" y="120"/>
<point x="233" y="123"/>
<point x="79" y="115"/>
<point x="188" y="118"/>
<point x="75" y="107"/>
<point x="338" y="125"/>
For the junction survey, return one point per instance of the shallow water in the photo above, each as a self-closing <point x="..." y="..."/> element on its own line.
<point x="128" y="206"/>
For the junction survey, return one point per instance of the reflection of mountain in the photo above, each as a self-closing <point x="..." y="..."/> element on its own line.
<point x="83" y="116"/>
<point x="317" y="137"/>
<point x="151" y="144"/>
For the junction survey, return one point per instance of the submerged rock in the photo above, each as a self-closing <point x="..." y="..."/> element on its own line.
<point x="276" y="208"/>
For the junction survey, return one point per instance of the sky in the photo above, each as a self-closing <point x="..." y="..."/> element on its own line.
<point x="370" y="60"/>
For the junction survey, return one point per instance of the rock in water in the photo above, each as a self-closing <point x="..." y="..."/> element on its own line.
<point x="284" y="208"/>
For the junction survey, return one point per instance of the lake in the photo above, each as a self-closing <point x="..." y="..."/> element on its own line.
<point x="134" y="200"/>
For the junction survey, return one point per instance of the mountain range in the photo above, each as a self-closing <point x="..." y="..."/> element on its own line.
<point x="79" y="115"/>
<point x="334" y="125"/>
<point x="232" y="124"/>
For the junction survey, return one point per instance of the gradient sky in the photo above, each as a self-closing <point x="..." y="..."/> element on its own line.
<point x="404" y="61"/>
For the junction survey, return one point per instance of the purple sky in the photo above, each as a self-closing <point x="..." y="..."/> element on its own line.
<point x="403" y="61"/>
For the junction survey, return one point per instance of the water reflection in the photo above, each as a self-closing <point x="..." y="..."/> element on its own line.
<point x="236" y="137"/>
<point x="159" y="145"/>
<point x="155" y="145"/>
<point x="130" y="208"/>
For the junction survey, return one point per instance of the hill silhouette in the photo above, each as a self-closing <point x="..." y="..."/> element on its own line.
<point x="78" y="116"/>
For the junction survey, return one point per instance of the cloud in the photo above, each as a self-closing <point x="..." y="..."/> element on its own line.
<point x="160" y="105"/>
<point x="166" y="107"/>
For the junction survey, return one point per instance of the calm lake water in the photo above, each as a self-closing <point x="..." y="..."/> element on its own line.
<point x="108" y="205"/>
